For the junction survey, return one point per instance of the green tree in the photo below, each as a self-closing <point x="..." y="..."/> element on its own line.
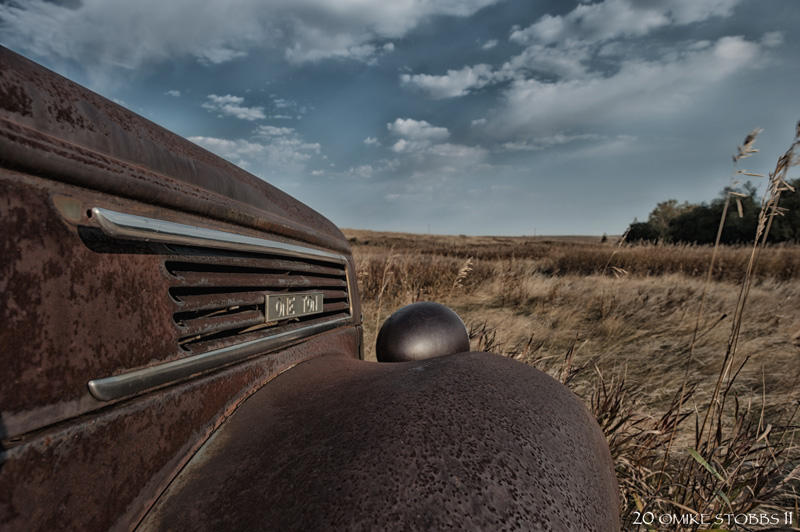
<point x="665" y="212"/>
<point x="699" y="224"/>
<point x="691" y="223"/>
<point x="642" y="232"/>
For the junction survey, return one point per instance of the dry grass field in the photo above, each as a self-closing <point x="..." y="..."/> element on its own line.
<point x="690" y="429"/>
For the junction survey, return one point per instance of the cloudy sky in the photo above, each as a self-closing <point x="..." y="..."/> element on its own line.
<point x="448" y="116"/>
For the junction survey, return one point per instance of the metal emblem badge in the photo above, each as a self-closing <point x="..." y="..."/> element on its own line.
<point x="292" y="305"/>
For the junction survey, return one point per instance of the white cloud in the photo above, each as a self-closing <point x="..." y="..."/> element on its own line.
<point x="488" y="45"/>
<point x="417" y="130"/>
<point x="568" y="61"/>
<point x="286" y="109"/>
<point x="610" y="19"/>
<point x="453" y="83"/>
<point x="427" y="145"/>
<point x="337" y="47"/>
<point x="688" y="11"/>
<point x="638" y="89"/>
<point x="547" y="29"/>
<point x="218" y="55"/>
<point x="272" y="131"/>
<point x="404" y="145"/>
<point x="425" y="160"/>
<point x="103" y="34"/>
<point x="173" y="93"/>
<point x="541" y="143"/>
<point x="269" y="152"/>
<point x="458" y="152"/>
<point x="372" y="141"/>
<point x="233" y="150"/>
<point x="229" y="105"/>
<point x="562" y="46"/>
<point x="479" y="122"/>
<point x="364" y="171"/>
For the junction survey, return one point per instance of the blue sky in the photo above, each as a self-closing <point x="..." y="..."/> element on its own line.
<point x="473" y="116"/>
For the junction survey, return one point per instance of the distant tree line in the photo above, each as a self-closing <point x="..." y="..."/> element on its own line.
<point x="685" y="222"/>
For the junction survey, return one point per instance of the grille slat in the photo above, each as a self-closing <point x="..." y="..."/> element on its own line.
<point x="331" y="307"/>
<point x="233" y="264"/>
<point x="219" y="298"/>
<point x="222" y="322"/>
<point x="216" y="301"/>
<point x="252" y="280"/>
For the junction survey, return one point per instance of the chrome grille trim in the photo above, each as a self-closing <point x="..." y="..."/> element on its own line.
<point x="134" y="227"/>
<point x="137" y="381"/>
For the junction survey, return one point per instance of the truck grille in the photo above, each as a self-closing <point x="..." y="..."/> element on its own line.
<point x="219" y="284"/>
<point x="219" y="297"/>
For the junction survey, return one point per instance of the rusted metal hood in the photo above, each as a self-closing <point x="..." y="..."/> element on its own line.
<point x="470" y="441"/>
<point x="93" y="142"/>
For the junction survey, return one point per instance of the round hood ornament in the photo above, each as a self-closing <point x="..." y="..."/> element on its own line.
<point x="419" y="331"/>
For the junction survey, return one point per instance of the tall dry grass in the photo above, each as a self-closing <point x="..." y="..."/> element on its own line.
<point x="698" y="407"/>
<point x="621" y="344"/>
<point x="565" y="258"/>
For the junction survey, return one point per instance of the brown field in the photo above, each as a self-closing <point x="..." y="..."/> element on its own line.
<point x="616" y="323"/>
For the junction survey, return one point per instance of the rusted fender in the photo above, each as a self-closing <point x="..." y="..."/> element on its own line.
<point x="466" y="441"/>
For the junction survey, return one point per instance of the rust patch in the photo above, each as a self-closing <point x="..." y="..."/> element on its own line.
<point x="77" y="309"/>
<point x="14" y="99"/>
<point x="70" y="314"/>
<point x="69" y="116"/>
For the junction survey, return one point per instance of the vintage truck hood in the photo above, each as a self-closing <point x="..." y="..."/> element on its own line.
<point x="98" y="144"/>
<point x="465" y="441"/>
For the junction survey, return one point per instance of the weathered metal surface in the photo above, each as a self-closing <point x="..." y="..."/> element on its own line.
<point x="68" y="313"/>
<point x="52" y="127"/>
<point x="468" y="441"/>
<point x="421" y="330"/>
<point x="72" y="313"/>
<point x="104" y="471"/>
